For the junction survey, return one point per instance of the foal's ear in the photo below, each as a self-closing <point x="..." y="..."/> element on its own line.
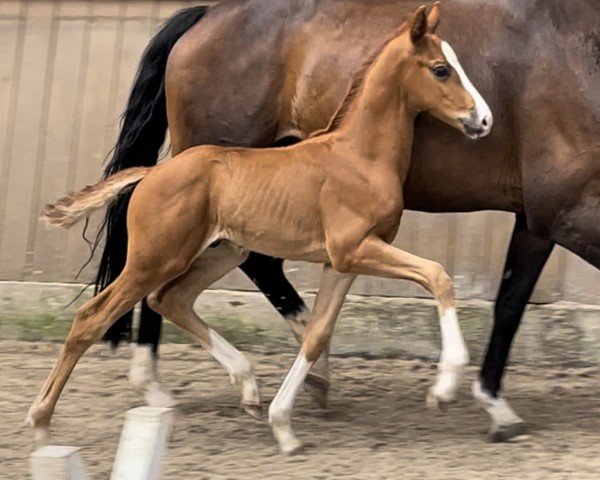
<point x="418" y="24"/>
<point x="433" y="19"/>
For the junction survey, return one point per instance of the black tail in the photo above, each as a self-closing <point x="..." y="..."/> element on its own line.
<point x="143" y="130"/>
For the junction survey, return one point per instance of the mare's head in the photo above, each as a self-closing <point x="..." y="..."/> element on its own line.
<point x="434" y="81"/>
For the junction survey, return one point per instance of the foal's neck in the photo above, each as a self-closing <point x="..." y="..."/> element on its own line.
<point x="379" y="124"/>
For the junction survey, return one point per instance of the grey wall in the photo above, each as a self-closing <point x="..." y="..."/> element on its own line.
<point x="65" y="71"/>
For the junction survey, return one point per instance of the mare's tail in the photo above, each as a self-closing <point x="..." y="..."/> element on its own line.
<point x="143" y="131"/>
<point x="67" y="211"/>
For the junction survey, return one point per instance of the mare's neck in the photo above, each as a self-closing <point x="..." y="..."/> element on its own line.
<point x="379" y="125"/>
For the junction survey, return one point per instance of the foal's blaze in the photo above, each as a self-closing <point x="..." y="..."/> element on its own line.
<point x="480" y="121"/>
<point x="335" y="199"/>
<point x="449" y="94"/>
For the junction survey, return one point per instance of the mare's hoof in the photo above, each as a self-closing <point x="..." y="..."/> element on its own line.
<point x="507" y="432"/>
<point x="506" y="424"/>
<point x="254" y="410"/>
<point x="318" y="389"/>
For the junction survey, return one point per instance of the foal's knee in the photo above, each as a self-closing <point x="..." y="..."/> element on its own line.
<point x="441" y="283"/>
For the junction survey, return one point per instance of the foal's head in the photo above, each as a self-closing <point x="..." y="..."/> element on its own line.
<point x="434" y="81"/>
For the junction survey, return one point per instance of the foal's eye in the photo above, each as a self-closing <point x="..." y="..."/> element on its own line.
<point x="441" y="72"/>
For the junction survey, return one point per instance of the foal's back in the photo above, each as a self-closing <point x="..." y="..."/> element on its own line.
<point x="266" y="200"/>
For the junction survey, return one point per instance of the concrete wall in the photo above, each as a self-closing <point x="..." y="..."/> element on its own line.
<point x="65" y="71"/>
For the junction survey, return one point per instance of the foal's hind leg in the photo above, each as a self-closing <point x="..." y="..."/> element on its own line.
<point x="175" y="301"/>
<point x="91" y="321"/>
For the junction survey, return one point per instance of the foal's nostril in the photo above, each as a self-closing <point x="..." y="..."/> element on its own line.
<point x="484" y="122"/>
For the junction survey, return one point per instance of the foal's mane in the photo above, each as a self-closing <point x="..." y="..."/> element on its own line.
<point x="356" y="85"/>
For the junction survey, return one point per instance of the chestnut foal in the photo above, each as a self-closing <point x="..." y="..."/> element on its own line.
<point x="335" y="199"/>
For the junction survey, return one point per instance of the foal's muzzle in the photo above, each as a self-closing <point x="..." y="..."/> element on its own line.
<point x="478" y="124"/>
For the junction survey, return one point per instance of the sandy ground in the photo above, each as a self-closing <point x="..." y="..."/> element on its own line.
<point x="376" y="427"/>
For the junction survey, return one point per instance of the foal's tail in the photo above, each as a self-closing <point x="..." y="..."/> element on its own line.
<point x="67" y="211"/>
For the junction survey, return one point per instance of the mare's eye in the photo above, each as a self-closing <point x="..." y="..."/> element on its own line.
<point x="441" y="72"/>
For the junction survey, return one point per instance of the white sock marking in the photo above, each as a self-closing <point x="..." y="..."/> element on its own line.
<point x="282" y="404"/>
<point x="239" y="368"/>
<point x="280" y="411"/>
<point x="454" y="351"/>
<point x="453" y="358"/>
<point x="229" y="356"/>
<point x="498" y="408"/>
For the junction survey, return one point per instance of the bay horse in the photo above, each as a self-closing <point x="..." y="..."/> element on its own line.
<point x="262" y="73"/>
<point x="335" y="198"/>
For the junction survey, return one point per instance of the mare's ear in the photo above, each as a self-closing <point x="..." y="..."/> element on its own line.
<point x="433" y="19"/>
<point x="418" y="24"/>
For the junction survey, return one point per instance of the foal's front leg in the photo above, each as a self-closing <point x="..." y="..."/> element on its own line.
<point x="267" y="274"/>
<point x="332" y="292"/>
<point x="375" y="257"/>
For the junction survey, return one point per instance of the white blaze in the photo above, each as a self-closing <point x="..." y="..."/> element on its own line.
<point x="482" y="108"/>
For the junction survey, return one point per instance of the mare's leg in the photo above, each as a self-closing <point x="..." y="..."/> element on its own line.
<point x="91" y="322"/>
<point x="376" y="257"/>
<point x="175" y="301"/>
<point x="150" y="328"/>
<point x="143" y="367"/>
<point x="331" y="295"/>
<point x="267" y="274"/>
<point x="526" y="258"/>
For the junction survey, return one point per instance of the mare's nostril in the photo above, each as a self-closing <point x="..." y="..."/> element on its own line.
<point x="484" y="122"/>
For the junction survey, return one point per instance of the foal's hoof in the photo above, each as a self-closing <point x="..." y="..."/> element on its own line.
<point x="254" y="410"/>
<point x="507" y="432"/>
<point x="41" y="437"/>
<point x="293" y="447"/>
<point x="157" y="397"/>
<point x="283" y="432"/>
<point x="318" y="389"/>
<point x="41" y="433"/>
<point x="438" y="401"/>
<point x="29" y="420"/>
